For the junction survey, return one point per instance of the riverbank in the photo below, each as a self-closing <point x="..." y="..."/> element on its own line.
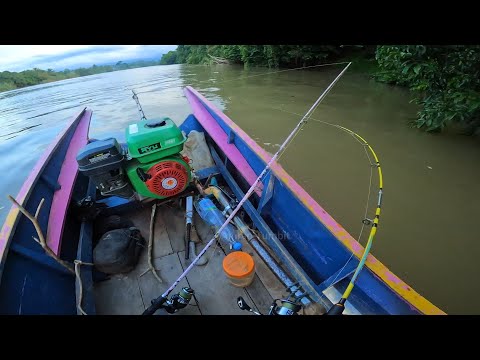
<point x="362" y="64"/>
<point x="427" y="177"/>
<point x="17" y="80"/>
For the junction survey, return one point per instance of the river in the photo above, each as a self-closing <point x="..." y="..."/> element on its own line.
<point x="428" y="232"/>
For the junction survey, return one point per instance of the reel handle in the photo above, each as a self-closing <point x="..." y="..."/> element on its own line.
<point x="242" y="304"/>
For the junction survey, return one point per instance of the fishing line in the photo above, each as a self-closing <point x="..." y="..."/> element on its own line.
<point x="359" y="235"/>
<point x="250" y="76"/>
<point x="372" y="165"/>
<point x="256" y="182"/>
<point x="279" y="71"/>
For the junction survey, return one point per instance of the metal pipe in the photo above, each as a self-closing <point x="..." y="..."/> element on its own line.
<point x="253" y="240"/>
<point x="188" y="226"/>
<point x="189" y="244"/>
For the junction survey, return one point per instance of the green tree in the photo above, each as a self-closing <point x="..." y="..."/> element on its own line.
<point x="444" y="79"/>
<point x="169" y="58"/>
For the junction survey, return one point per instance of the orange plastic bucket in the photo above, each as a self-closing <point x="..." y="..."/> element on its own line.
<point x="239" y="268"/>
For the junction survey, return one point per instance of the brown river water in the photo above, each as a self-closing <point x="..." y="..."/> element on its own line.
<point x="428" y="233"/>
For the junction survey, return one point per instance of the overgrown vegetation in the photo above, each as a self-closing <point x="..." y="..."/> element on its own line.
<point x="169" y="58"/>
<point x="265" y="55"/>
<point x="14" y="80"/>
<point x="444" y="80"/>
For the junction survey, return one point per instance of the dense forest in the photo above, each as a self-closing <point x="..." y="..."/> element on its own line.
<point x="444" y="80"/>
<point x="267" y="55"/>
<point x="14" y="80"/>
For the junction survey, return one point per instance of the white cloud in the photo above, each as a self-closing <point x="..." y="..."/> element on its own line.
<point x="59" y="57"/>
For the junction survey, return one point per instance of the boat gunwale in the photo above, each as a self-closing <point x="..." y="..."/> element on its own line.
<point x="397" y="285"/>
<point x="11" y="221"/>
<point x="66" y="179"/>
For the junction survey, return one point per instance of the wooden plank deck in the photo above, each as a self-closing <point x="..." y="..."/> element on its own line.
<point x="131" y="293"/>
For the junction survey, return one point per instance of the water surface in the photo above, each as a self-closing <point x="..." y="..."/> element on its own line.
<point x="428" y="231"/>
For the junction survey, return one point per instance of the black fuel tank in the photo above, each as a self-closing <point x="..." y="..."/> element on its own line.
<point x="103" y="162"/>
<point x="100" y="156"/>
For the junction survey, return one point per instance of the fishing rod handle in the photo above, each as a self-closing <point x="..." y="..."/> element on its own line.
<point x="338" y="308"/>
<point x="156" y="304"/>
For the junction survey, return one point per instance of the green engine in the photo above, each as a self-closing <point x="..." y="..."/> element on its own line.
<point x="152" y="166"/>
<point x="156" y="168"/>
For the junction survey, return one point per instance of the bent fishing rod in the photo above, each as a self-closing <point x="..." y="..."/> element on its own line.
<point x="339" y="307"/>
<point x="158" y="302"/>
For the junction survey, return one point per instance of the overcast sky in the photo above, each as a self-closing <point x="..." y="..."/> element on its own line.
<point x="59" y="57"/>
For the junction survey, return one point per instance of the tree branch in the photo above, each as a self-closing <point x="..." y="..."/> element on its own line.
<point x="41" y="238"/>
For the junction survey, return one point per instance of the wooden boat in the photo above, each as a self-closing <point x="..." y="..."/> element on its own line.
<point x="310" y="246"/>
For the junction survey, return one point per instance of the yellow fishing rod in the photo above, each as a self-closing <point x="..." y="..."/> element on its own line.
<point x="339" y="307"/>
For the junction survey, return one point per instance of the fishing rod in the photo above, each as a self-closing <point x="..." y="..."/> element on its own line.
<point x="263" y="74"/>
<point x="135" y="97"/>
<point x="339" y="307"/>
<point x="284" y="70"/>
<point x="158" y="302"/>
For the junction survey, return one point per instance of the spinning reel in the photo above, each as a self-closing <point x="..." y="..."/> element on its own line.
<point x="289" y="306"/>
<point x="177" y="301"/>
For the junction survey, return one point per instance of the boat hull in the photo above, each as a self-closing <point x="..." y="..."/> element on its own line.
<point x="31" y="282"/>
<point x="310" y="242"/>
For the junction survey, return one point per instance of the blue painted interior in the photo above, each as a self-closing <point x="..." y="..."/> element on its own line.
<point x="30" y="288"/>
<point x="269" y="236"/>
<point x="85" y="254"/>
<point x="191" y="123"/>
<point x="32" y="284"/>
<point x="71" y="229"/>
<point x="303" y="234"/>
<point x="113" y="201"/>
<point x="231" y="136"/>
<point x="267" y="192"/>
<point x="205" y="173"/>
<point x="253" y="160"/>
<point x="313" y="246"/>
<point x="29" y="285"/>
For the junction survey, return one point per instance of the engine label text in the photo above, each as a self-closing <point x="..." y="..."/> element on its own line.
<point x="149" y="148"/>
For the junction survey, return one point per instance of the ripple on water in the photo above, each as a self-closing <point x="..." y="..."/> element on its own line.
<point x="331" y="167"/>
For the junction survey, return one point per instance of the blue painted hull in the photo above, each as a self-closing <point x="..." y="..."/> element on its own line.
<point x="311" y="251"/>
<point x="33" y="283"/>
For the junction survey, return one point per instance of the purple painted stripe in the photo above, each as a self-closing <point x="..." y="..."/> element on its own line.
<point x="373" y="264"/>
<point x="281" y="174"/>
<point x="220" y="137"/>
<point x="66" y="179"/>
<point x="11" y="221"/>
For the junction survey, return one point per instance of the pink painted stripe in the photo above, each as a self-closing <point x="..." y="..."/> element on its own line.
<point x="296" y="189"/>
<point x="11" y="221"/>
<point x="66" y="179"/>
<point x="373" y="264"/>
<point x="221" y="138"/>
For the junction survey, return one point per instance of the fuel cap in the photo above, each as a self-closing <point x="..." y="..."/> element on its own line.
<point x="155" y="123"/>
